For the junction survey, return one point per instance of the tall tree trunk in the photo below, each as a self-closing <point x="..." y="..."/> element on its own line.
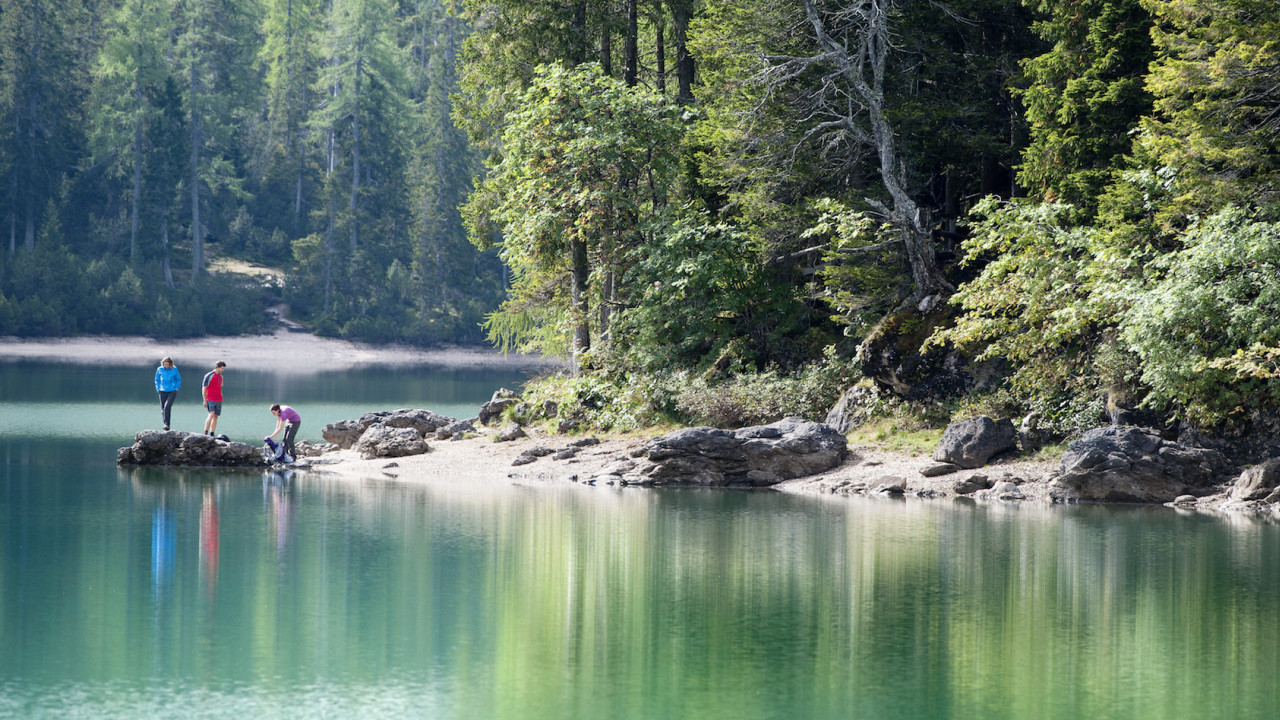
<point x="870" y="55"/>
<point x="137" y="185"/>
<point x="355" y="154"/>
<point x="197" y="231"/>
<point x="578" y="296"/>
<point x="582" y="42"/>
<point x="606" y="49"/>
<point x="660" y="56"/>
<point x="681" y="16"/>
<point x="632" y="47"/>
<point x="164" y="251"/>
<point x="30" y="235"/>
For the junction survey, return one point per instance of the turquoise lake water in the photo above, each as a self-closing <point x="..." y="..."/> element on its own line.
<point x="137" y="593"/>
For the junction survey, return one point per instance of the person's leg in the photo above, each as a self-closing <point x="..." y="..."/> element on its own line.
<point x="166" y="406"/>
<point x="208" y="422"/>
<point x="213" y="419"/>
<point x="290" y="432"/>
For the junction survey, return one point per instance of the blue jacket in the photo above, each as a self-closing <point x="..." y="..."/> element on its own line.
<point x="168" y="379"/>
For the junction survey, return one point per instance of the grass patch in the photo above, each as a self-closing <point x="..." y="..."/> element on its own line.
<point x="895" y="436"/>
<point x="1049" y="453"/>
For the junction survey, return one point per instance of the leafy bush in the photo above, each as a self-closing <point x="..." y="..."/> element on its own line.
<point x="761" y="398"/>
<point x="1216" y="303"/>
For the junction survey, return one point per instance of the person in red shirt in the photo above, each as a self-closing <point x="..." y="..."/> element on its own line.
<point x="211" y="390"/>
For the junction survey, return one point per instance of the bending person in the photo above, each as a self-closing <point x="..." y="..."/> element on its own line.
<point x="288" y="420"/>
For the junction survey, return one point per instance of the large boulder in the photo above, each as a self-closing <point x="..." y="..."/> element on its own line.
<point x="174" y="447"/>
<point x="387" y="441"/>
<point x="1257" y="482"/>
<point x="1129" y="464"/>
<point x="852" y="409"/>
<point x="501" y="400"/>
<point x="346" y="433"/>
<point x="754" y="456"/>
<point x="972" y="442"/>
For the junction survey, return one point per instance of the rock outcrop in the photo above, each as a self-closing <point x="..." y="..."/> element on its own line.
<point x="758" y="456"/>
<point x="1257" y="482"/>
<point x="498" y="403"/>
<point x="346" y="433"/>
<point x="970" y="443"/>
<point x="1129" y="464"/>
<point x="386" y="441"/>
<point x="174" y="447"/>
<point x="456" y="430"/>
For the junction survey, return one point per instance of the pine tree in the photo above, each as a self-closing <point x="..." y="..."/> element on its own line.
<point x="1085" y="96"/>
<point x="129" y="76"/>
<point x="41" y="90"/>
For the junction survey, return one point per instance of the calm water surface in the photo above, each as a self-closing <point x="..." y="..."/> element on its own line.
<point x="178" y="593"/>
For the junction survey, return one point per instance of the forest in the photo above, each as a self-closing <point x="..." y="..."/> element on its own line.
<point x="720" y="211"/>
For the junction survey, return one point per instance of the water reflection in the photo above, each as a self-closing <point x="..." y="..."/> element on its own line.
<point x="209" y="541"/>
<point x="299" y="594"/>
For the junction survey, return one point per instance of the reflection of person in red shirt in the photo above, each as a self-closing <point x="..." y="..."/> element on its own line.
<point x="211" y="390"/>
<point x="209" y="540"/>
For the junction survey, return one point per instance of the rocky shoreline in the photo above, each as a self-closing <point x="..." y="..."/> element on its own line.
<point x="977" y="459"/>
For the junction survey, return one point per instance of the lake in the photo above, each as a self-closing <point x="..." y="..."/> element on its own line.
<point x="148" y="592"/>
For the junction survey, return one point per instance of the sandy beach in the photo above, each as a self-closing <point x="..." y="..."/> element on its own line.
<point x="287" y="351"/>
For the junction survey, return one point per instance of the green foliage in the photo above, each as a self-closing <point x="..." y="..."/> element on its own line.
<point x="861" y="265"/>
<point x="1085" y="95"/>
<point x="757" y="398"/>
<point x="1216" y="82"/>
<point x="586" y="163"/>
<point x="698" y="289"/>
<point x="1033" y="303"/>
<point x="1214" y="299"/>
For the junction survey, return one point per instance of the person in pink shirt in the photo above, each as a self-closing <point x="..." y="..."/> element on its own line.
<point x="288" y="420"/>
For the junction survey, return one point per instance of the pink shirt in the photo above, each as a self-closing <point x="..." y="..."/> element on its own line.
<point x="290" y="415"/>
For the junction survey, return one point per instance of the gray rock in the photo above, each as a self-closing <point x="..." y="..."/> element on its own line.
<point x="971" y="484"/>
<point x="940" y="469"/>
<point x="971" y="442"/>
<point x="754" y="456"/>
<point x="384" y="441"/>
<point x="346" y="433"/>
<point x="306" y="448"/>
<point x="585" y="442"/>
<point x="1129" y="464"/>
<point x="456" y="428"/>
<point x="501" y="400"/>
<point x="173" y="447"/>
<point x="889" y="485"/>
<point x="851" y="410"/>
<point x="1029" y="435"/>
<point x="566" y="453"/>
<point x="511" y="432"/>
<point x="524" y="458"/>
<point x="1258" y="481"/>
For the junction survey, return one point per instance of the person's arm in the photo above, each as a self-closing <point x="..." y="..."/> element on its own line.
<point x="158" y="380"/>
<point x="204" y="395"/>
<point x="279" y="426"/>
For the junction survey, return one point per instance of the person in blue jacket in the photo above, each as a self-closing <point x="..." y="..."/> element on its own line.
<point x="168" y="380"/>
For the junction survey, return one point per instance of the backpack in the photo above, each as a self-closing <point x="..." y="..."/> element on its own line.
<point x="275" y="451"/>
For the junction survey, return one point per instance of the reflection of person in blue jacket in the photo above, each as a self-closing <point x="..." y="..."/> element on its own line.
<point x="168" y="380"/>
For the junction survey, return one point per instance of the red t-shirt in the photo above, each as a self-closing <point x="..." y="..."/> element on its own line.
<point x="213" y="387"/>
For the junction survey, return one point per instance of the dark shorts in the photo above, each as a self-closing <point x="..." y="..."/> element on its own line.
<point x="214" y="407"/>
